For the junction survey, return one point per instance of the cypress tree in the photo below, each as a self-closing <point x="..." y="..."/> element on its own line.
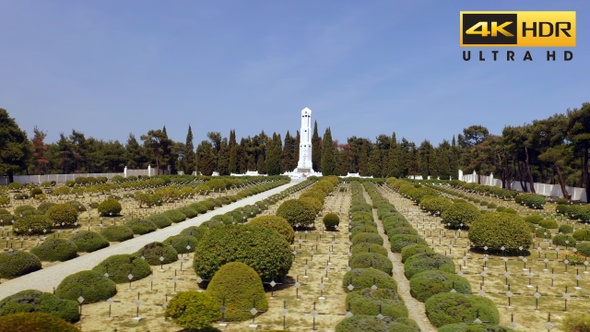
<point x="188" y="161"/>
<point x="273" y="155"/>
<point x="316" y="149"/>
<point x="328" y="156"/>
<point x="233" y="152"/>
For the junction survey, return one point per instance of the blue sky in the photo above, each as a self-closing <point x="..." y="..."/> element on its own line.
<point x="110" y="68"/>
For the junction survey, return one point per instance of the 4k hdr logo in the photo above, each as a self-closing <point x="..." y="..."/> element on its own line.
<point x="520" y="28"/>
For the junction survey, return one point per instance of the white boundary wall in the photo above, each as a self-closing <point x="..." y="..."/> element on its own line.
<point x="61" y="178"/>
<point x="545" y="189"/>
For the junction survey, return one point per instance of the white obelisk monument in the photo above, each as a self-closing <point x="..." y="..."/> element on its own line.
<point x="304" y="165"/>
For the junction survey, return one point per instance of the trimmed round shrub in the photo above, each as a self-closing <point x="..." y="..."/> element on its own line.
<point x="582" y="235"/>
<point x="192" y="310"/>
<point x="425" y="262"/>
<point x="565" y="229"/>
<point x="366" y="278"/>
<point x="63" y="215"/>
<point x="425" y="284"/>
<point x="364" y="323"/>
<point x="548" y="223"/>
<point x="460" y="213"/>
<point x="368" y="247"/>
<point x="575" y="323"/>
<point x="88" y="241"/>
<point x="314" y="203"/>
<point x="43" y="207"/>
<point x="368" y="238"/>
<point x="17" y="263"/>
<point x="209" y="204"/>
<point x="91" y="285"/>
<point x="175" y="215"/>
<point x="364" y="228"/>
<point x="534" y="218"/>
<point x="475" y="327"/>
<point x="79" y="207"/>
<point x="560" y="240"/>
<point x="277" y="223"/>
<point x="200" y="208"/>
<point x="198" y="232"/>
<point x="449" y="308"/>
<point x="297" y="213"/>
<point x="583" y="248"/>
<point x="372" y="302"/>
<point x="240" y="287"/>
<point x="435" y="204"/>
<point x="372" y="260"/>
<point x="120" y="267"/>
<point x="109" y="207"/>
<point x="182" y="243"/>
<point x="6" y="219"/>
<point x="189" y="212"/>
<point x="401" y="230"/>
<point x="331" y="221"/>
<point x="499" y="229"/>
<point x="400" y="241"/>
<point x="35" y="321"/>
<point x="530" y="200"/>
<point x="543" y="233"/>
<point x="36" y="301"/>
<point x="255" y="245"/>
<point x="156" y="253"/>
<point x="414" y="249"/>
<point x="53" y="249"/>
<point x="22" y="209"/>
<point x="117" y="233"/>
<point x="141" y="227"/>
<point x="32" y="224"/>
<point x="160" y="220"/>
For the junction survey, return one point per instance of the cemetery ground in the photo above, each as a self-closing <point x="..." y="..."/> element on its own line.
<point x="312" y="294"/>
<point x="533" y="290"/>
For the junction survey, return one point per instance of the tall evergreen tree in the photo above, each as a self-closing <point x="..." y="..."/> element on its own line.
<point x="316" y="149"/>
<point x="374" y="166"/>
<point x="289" y="159"/>
<point x="223" y="158"/>
<point x="40" y="163"/>
<point x="273" y="155"/>
<point x="393" y="158"/>
<point x="242" y="159"/>
<point x="15" y="147"/>
<point x="328" y="156"/>
<point x="205" y="158"/>
<point x="189" y="158"/>
<point x="233" y="152"/>
<point x="426" y="159"/>
<point x="134" y="154"/>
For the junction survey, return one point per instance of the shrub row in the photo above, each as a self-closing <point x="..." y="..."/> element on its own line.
<point x="371" y="290"/>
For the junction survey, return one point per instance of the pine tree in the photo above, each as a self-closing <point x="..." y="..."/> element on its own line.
<point x="316" y="149"/>
<point x="188" y="161"/>
<point x="15" y="147"/>
<point x="328" y="161"/>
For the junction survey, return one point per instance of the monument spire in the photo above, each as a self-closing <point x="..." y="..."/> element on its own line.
<point x="305" y="165"/>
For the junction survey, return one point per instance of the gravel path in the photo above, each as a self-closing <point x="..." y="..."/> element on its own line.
<point x="48" y="278"/>
<point x="416" y="309"/>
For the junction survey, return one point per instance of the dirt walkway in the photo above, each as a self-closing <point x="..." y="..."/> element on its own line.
<point x="416" y="309"/>
<point x="48" y="278"/>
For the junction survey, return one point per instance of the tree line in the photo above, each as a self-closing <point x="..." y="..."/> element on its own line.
<point x="552" y="150"/>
